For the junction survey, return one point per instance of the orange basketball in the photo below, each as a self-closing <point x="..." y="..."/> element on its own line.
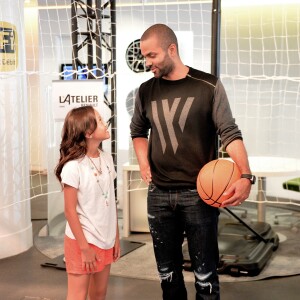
<point x="215" y="178"/>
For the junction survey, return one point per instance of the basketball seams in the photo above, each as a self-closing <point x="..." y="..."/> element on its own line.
<point x="214" y="179"/>
<point x="203" y="190"/>
<point x="228" y="181"/>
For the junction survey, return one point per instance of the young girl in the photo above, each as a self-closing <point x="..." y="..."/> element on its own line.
<point x="87" y="174"/>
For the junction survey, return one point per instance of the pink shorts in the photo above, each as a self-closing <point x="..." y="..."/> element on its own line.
<point x="73" y="257"/>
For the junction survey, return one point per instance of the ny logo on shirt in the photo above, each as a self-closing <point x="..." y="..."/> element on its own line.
<point x="169" y="114"/>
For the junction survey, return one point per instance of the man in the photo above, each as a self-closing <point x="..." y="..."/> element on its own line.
<point x="185" y="109"/>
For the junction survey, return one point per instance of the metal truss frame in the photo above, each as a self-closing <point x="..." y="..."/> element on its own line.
<point x="96" y="40"/>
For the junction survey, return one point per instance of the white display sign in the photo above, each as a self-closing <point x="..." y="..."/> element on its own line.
<point x="70" y="94"/>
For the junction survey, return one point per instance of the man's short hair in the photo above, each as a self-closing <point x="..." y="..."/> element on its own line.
<point x="164" y="33"/>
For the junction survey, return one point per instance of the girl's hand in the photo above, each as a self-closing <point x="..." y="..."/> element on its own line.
<point x="89" y="259"/>
<point x="117" y="249"/>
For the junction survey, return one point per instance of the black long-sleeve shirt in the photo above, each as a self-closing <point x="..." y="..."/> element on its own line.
<point x="184" y="118"/>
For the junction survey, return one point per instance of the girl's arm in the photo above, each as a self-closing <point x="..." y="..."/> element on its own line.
<point x="88" y="255"/>
<point x="117" y="248"/>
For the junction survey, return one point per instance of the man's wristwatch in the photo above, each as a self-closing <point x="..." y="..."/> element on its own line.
<point x="251" y="177"/>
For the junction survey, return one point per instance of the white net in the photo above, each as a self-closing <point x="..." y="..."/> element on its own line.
<point x="259" y="68"/>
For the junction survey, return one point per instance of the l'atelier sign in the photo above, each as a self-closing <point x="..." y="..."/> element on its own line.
<point x="71" y="98"/>
<point x="8" y="47"/>
<point x="69" y="94"/>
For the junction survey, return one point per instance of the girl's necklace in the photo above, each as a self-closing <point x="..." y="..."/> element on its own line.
<point x="97" y="171"/>
<point x="94" y="167"/>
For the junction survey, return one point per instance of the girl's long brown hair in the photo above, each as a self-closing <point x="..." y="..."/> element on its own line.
<point x="78" y="122"/>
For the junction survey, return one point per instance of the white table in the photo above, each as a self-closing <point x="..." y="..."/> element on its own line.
<point x="129" y="172"/>
<point x="261" y="166"/>
<point x="267" y="166"/>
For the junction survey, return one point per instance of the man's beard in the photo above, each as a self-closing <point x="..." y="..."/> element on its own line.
<point x="164" y="71"/>
<point x="166" y="68"/>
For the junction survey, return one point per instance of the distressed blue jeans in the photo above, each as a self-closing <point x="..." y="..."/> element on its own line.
<point x="171" y="214"/>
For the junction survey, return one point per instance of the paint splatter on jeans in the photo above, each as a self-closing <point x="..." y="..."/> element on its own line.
<point x="171" y="214"/>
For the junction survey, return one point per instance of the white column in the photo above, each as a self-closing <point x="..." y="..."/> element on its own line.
<point x="15" y="218"/>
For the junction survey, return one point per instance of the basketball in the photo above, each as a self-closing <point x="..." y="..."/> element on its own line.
<point x="215" y="178"/>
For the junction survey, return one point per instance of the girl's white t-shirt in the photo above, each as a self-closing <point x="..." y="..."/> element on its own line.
<point x="97" y="213"/>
